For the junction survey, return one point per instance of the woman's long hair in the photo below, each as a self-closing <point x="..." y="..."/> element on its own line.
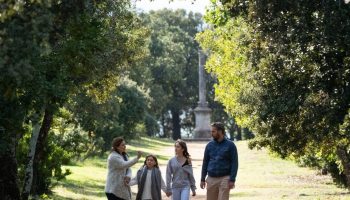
<point x="184" y="147"/>
<point x="115" y="144"/>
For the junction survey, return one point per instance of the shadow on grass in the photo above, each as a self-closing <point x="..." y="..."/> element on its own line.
<point x="74" y="185"/>
<point x="330" y="195"/>
<point x="149" y="143"/>
<point x="252" y="194"/>
<point x="58" y="197"/>
<point x="96" y="161"/>
<point x="89" y="187"/>
<point x="338" y="194"/>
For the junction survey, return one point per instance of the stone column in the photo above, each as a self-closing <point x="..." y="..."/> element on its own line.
<point x="202" y="111"/>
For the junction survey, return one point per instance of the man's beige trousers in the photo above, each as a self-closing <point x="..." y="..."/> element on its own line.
<point x="217" y="188"/>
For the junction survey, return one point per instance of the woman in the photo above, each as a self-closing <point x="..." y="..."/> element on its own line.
<point x="119" y="172"/>
<point x="179" y="174"/>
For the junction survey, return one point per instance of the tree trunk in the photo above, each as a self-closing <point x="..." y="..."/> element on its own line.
<point x="239" y="133"/>
<point x="166" y="133"/>
<point x="39" y="152"/>
<point x="29" y="169"/>
<point x="9" y="187"/>
<point x="231" y="130"/>
<point x="176" y="124"/>
<point x="345" y="161"/>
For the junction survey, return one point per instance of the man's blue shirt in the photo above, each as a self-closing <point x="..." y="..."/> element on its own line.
<point x="220" y="159"/>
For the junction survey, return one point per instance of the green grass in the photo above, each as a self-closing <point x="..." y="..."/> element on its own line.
<point x="87" y="180"/>
<point x="260" y="175"/>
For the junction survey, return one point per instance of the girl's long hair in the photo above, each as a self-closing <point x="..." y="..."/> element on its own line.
<point x="184" y="147"/>
<point x="154" y="158"/>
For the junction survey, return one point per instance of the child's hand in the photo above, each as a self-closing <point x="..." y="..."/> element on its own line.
<point x="126" y="180"/>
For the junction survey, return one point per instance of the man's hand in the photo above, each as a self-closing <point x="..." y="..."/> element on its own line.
<point x="202" y="185"/>
<point x="231" y="184"/>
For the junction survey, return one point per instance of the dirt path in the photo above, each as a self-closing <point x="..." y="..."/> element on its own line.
<point x="262" y="177"/>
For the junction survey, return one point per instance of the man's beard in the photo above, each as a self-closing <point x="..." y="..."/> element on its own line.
<point x="215" y="138"/>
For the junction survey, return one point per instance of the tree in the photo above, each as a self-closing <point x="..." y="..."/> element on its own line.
<point x="89" y="54"/>
<point x="172" y="64"/>
<point x="117" y="116"/>
<point x="50" y="50"/>
<point x="283" y="70"/>
<point x="219" y="113"/>
<point x="23" y="39"/>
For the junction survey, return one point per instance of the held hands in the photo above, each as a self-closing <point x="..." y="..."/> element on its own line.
<point x="194" y="193"/>
<point x="168" y="194"/>
<point x="202" y="185"/>
<point x="126" y="180"/>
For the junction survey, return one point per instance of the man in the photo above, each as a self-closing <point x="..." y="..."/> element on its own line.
<point x="220" y="163"/>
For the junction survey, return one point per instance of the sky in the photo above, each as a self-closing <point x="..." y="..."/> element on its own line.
<point x="189" y="5"/>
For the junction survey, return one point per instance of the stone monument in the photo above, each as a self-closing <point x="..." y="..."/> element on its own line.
<point x="202" y="111"/>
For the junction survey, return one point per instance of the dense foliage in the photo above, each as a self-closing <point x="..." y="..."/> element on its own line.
<point x="49" y="51"/>
<point x="284" y="71"/>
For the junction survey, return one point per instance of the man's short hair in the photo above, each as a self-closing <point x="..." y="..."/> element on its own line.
<point x="219" y="126"/>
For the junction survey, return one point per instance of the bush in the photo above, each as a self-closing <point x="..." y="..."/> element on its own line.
<point x="49" y="168"/>
<point x="327" y="166"/>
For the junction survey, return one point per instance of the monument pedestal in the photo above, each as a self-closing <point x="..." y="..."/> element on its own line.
<point x="203" y="128"/>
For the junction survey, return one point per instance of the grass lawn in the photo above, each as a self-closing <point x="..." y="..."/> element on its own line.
<point x="260" y="175"/>
<point x="88" y="178"/>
